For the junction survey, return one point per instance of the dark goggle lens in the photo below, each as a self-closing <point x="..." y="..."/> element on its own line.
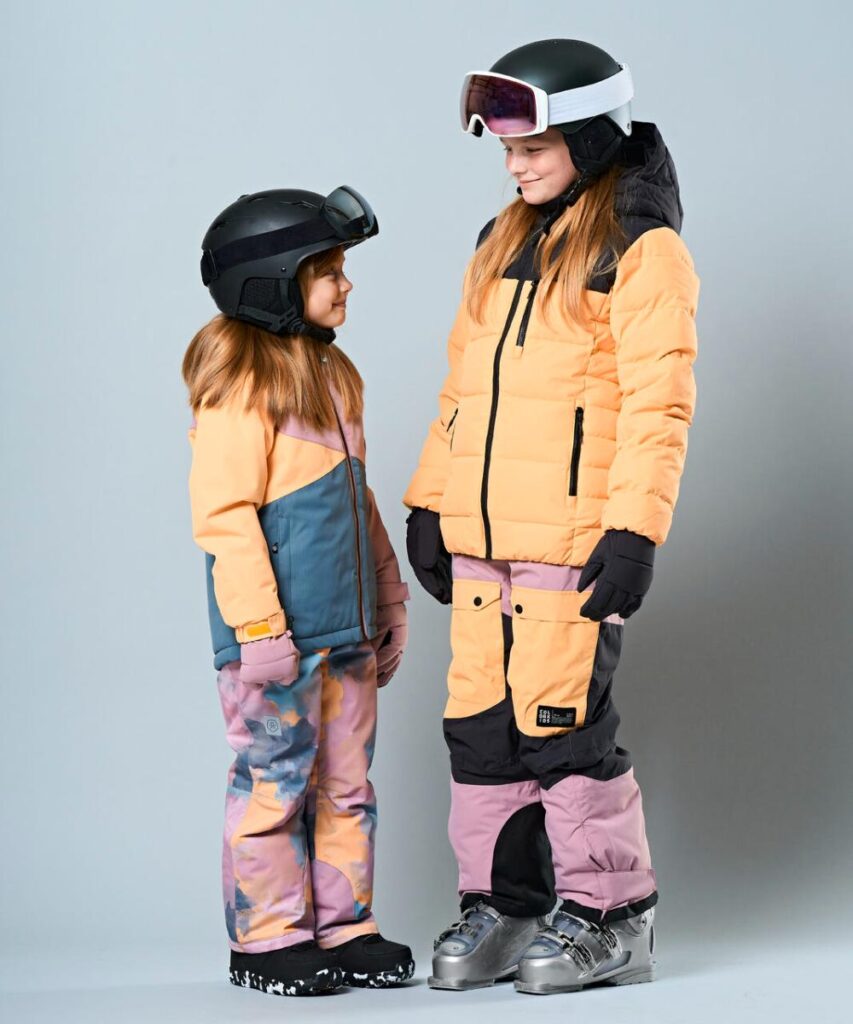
<point x="507" y="108"/>
<point x="349" y="213"/>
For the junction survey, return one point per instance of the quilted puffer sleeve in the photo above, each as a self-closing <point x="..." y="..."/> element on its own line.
<point x="427" y="485"/>
<point x="228" y="481"/>
<point x="653" y="305"/>
<point x="390" y="589"/>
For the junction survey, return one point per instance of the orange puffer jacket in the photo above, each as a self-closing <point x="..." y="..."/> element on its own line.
<point x="553" y="430"/>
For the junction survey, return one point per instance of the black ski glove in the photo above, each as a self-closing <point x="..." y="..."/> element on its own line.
<point x="622" y="562"/>
<point x="428" y="556"/>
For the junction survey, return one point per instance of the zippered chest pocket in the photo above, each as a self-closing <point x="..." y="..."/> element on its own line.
<point x="577" y="443"/>
<point x="451" y="426"/>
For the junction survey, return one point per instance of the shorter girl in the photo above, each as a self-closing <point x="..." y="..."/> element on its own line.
<point x="305" y="597"/>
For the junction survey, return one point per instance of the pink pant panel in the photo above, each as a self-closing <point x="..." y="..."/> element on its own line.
<point x="477" y="815"/>
<point x="333" y="903"/>
<point x="598" y="841"/>
<point x="536" y="575"/>
<point x="466" y="567"/>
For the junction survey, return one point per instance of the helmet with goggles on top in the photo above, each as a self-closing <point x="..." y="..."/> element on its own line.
<point x="566" y="84"/>
<point x="253" y="250"/>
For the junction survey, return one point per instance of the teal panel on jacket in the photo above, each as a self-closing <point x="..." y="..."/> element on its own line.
<point x="311" y="535"/>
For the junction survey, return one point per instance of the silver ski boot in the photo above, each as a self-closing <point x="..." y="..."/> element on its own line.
<point x="481" y="947"/>
<point x="572" y="953"/>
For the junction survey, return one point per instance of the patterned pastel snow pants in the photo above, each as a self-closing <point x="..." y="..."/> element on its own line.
<point x="300" y="813"/>
<point x="544" y="804"/>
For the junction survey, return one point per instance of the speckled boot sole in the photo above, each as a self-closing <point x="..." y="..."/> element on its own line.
<point x="380" y="979"/>
<point x="325" y="980"/>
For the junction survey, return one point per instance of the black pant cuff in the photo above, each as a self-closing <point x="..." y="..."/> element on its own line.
<point x="608" y="916"/>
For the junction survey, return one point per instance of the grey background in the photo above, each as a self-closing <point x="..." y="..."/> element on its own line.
<point x="125" y="129"/>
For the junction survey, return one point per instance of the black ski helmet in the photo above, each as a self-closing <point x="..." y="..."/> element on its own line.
<point x="253" y="249"/>
<point x="560" y="66"/>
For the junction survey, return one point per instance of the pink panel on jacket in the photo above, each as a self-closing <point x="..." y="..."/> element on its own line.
<point x="330" y="438"/>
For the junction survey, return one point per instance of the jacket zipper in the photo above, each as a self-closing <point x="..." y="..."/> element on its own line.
<point x="355" y="518"/>
<point x="525" y="319"/>
<point x="577" y="441"/>
<point x="490" y="433"/>
<point x="449" y="427"/>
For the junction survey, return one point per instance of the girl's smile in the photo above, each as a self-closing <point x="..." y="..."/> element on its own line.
<point x="540" y="164"/>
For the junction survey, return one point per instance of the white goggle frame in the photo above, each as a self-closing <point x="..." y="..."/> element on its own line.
<point x="560" y="107"/>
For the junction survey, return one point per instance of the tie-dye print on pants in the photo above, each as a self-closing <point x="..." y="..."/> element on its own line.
<point x="300" y="812"/>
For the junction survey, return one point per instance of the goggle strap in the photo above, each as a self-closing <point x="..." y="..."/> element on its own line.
<point x="591" y="100"/>
<point x="258" y="247"/>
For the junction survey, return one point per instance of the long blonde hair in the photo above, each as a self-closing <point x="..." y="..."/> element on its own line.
<point x="589" y="231"/>
<point x="284" y="375"/>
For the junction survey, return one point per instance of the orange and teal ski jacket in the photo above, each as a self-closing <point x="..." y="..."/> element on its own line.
<point x="293" y="537"/>
<point x="552" y="430"/>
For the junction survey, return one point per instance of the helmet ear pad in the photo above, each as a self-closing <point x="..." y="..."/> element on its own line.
<point x="276" y="304"/>
<point x="595" y="146"/>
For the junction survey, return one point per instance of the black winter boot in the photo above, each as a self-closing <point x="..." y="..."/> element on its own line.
<point x="300" y="970"/>
<point x="369" y="961"/>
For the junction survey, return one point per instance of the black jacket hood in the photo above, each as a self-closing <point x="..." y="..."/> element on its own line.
<point x="647" y="194"/>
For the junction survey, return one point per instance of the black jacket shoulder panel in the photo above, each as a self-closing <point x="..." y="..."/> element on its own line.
<point x="485" y="232"/>
<point x="647" y="194"/>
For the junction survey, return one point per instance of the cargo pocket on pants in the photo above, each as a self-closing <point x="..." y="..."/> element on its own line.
<point x="552" y="660"/>
<point x="476" y="679"/>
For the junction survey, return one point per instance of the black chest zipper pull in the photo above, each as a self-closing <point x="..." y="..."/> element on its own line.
<point x="525" y="318"/>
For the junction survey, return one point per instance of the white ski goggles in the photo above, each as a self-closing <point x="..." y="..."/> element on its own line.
<point x="509" y="107"/>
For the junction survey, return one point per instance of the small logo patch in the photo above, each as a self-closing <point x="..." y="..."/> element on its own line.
<point x="272" y="726"/>
<point x="555" y="716"/>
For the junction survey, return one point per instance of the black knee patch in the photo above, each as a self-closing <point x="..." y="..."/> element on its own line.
<point x="522" y="872"/>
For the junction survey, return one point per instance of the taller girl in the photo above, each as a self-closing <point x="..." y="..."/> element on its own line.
<point x="555" y="462"/>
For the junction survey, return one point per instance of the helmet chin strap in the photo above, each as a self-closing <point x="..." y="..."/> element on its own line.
<point x="291" y="297"/>
<point x="595" y="149"/>
<point x="290" y="322"/>
<point x="567" y="199"/>
<point x="305" y="327"/>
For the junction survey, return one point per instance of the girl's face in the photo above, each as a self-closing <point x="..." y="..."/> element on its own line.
<point x="326" y="296"/>
<point x="541" y="165"/>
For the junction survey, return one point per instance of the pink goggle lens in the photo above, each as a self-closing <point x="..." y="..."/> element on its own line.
<point x="507" y="108"/>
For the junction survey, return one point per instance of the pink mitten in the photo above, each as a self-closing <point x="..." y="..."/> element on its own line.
<point x="272" y="659"/>
<point x="390" y="641"/>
